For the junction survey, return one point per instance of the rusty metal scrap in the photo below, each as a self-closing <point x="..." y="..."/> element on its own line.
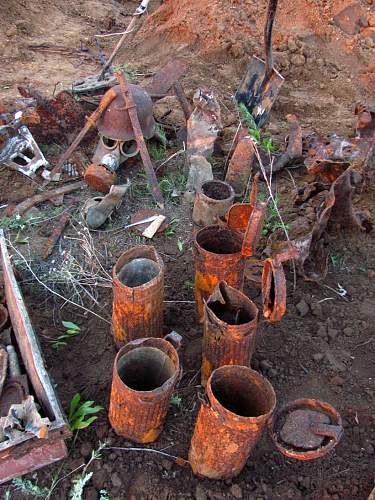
<point x="167" y="76"/>
<point x="212" y="202"/>
<point x="145" y="373"/>
<point x="181" y="96"/>
<point x="138" y="295"/>
<point x="203" y="124"/>
<point x="3" y="367"/>
<point x="3" y="317"/>
<point x="240" y="165"/>
<point x="56" y="233"/>
<point x="239" y="402"/>
<point x="99" y="178"/>
<point x="229" y="330"/>
<point x="306" y="429"/>
<point x="365" y="127"/>
<point x="293" y="151"/>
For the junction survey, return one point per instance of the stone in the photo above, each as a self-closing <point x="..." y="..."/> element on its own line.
<point x="322" y="331"/>
<point x="116" y="480"/>
<point x="236" y="491"/>
<point x="349" y="19"/>
<point x="348" y="331"/>
<point x="369" y="449"/>
<point x="292" y="46"/>
<point x="168" y="110"/>
<point x="318" y="356"/>
<point x="332" y="334"/>
<point x="86" y="449"/>
<point x="338" y="381"/>
<point x="302" y="308"/>
<point x="298" y="60"/>
<point x="371" y="19"/>
<point x="167" y="464"/>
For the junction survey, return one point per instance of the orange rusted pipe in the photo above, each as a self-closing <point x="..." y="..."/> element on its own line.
<point x="138" y="295"/>
<point x="212" y="202"/>
<point x="145" y="373"/>
<point x="230" y="325"/>
<point x="239" y="404"/>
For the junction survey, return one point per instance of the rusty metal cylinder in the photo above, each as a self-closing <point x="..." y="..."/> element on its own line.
<point x="229" y="424"/>
<point x="212" y="201"/>
<point x="229" y="330"/>
<point x="217" y="256"/>
<point x="145" y="373"/>
<point x="138" y="295"/>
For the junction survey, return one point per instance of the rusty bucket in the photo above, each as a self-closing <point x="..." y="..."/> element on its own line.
<point x="212" y="202"/>
<point x="229" y="424"/>
<point x="138" y="295"/>
<point x="145" y="373"/>
<point x="229" y="330"/>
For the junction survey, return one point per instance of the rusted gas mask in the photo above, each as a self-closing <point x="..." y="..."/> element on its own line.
<point x="117" y="141"/>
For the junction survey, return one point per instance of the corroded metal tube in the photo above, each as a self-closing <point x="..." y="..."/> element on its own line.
<point x="229" y="424"/>
<point x="145" y="373"/>
<point x="229" y="330"/>
<point x="138" y="295"/>
<point x="212" y="201"/>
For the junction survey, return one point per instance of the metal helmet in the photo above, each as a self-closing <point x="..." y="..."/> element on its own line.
<point x="115" y="121"/>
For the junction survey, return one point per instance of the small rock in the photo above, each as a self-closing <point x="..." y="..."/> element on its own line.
<point x="369" y="42"/>
<point x="369" y="449"/>
<point x="332" y="334"/>
<point x="348" y="20"/>
<point x="116" y="480"/>
<point x="292" y="46"/>
<point x="200" y="493"/>
<point x="322" y="331"/>
<point x="337" y="380"/>
<point x="318" y="356"/>
<point x="298" y="60"/>
<point x="98" y="479"/>
<point x="11" y="31"/>
<point x="86" y="449"/>
<point x="348" y="331"/>
<point x="236" y="491"/>
<point x="302" y="308"/>
<point x="167" y="464"/>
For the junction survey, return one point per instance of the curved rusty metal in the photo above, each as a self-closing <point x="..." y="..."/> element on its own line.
<point x="138" y="310"/>
<point x="115" y="122"/>
<point x="145" y="373"/>
<point x="240" y="165"/>
<point x="332" y="432"/>
<point x="229" y="330"/>
<point x="229" y="424"/>
<point x="274" y="290"/>
<point x="3" y="317"/>
<point x="99" y="178"/>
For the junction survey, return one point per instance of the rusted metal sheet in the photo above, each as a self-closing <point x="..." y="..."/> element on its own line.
<point x="240" y="165"/>
<point x="28" y="453"/>
<point x="3" y="317"/>
<point x="212" y="202"/>
<point x="229" y="424"/>
<point x="145" y="373"/>
<point x="293" y="151"/>
<point x="181" y="96"/>
<point x="349" y="19"/>
<point x="138" y="295"/>
<point x="167" y="76"/>
<point x="56" y="233"/>
<point x="306" y="429"/>
<point x="229" y="330"/>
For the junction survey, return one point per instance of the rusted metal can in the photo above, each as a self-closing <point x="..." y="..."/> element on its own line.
<point x="138" y="295"/>
<point x="212" y="201"/>
<point x="229" y="424"/>
<point x="145" y="373"/>
<point x="229" y="330"/>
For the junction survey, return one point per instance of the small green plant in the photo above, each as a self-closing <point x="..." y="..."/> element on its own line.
<point x="272" y="221"/>
<point x="265" y="143"/>
<point x="72" y="330"/>
<point x="189" y="284"/>
<point x="157" y="151"/>
<point x="78" y="413"/>
<point x="173" y="185"/>
<point x="180" y="245"/>
<point x="130" y="73"/>
<point x="176" y="400"/>
<point x="28" y="487"/>
<point x="103" y="495"/>
<point x="15" y="222"/>
<point x="171" y="229"/>
<point x="79" y="483"/>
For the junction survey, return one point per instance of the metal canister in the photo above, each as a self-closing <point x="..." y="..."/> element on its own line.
<point x="229" y="424"/>
<point x="145" y="373"/>
<point x="229" y="330"/>
<point x="138" y="295"/>
<point x="212" y="202"/>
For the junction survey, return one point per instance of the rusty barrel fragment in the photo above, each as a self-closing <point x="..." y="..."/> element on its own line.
<point x="230" y="324"/>
<point x="138" y="295"/>
<point x="240" y="165"/>
<point x="145" y="373"/>
<point x="229" y="424"/>
<point x="212" y="202"/>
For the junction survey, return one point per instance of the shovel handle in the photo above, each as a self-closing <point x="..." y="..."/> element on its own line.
<point x="271" y="14"/>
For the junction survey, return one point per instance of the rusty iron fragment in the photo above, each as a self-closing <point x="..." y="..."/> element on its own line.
<point x="131" y="107"/>
<point x="167" y="76"/>
<point x="56" y="233"/>
<point x="306" y="429"/>
<point x="3" y="317"/>
<point x="240" y="165"/>
<point x="99" y="178"/>
<point x="181" y="96"/>
<point x="203" y="124"/>
<point x="293" y="151"/>
<point x="28" y="453"/>
<point x="365" y="127"/>
<point x="145" y="373"/>
<point x="138" y="295"/>
<point x="212" y="202"/>
<point x="229" y="330"/>
<point x="23" y="418"/>
<point x="229" y="424"/>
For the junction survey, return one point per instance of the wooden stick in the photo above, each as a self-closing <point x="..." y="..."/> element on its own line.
<point x="151" y="230"/>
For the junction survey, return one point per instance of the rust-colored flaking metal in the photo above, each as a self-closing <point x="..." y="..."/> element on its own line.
<point x="3" y="317"/>
<point x="145" y="373"/>
<point x="229" y="424"/>
<point x="240" y="165"/>
<point x="311" y="411"/>
<point x="138" y="295"/>
<point x="212" y="202"/>
<point x="229" y="330"/>
<point x="99" y="178"/>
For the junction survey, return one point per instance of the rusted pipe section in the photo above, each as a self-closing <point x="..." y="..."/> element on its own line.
<point x="145" y="373"/>
<point x="229" y="424"/>
<point x="138" y="295"/>
<point x="212" y="202"/>
<point x="240" y="165"/>
<point x="229" y="330"/>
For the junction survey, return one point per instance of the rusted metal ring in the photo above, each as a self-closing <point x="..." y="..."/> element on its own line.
<point x="278" y="417"/>
<point x="274" y="290"/>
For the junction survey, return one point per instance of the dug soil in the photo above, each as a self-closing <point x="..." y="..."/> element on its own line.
<point x="324" y="347"/>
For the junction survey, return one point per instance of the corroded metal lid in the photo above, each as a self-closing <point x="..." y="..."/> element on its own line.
<point x="115" y="121"/>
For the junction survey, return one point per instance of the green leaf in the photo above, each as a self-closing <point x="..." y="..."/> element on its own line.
<point x="180" y="245"/>
<point x="74" y="404"/>
<point x="71" y="326"/>
<point x="82" y="424"/>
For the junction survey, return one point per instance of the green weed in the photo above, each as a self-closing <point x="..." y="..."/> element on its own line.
<point x="78" y="413"/>
<point x="72" y="330"/>
<point x="130" y="73"/>
<point x="272" y="221"/>
<point x="176" y="400"/>
<point x="157" y="151"/>
<point x="28" y="487"/>
<point x="189" y="285"/>
<point x="265" y="142"/>
<point x="180" y="245"/>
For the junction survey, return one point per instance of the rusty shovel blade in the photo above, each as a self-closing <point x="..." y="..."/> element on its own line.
<point x="261" y="83"/>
